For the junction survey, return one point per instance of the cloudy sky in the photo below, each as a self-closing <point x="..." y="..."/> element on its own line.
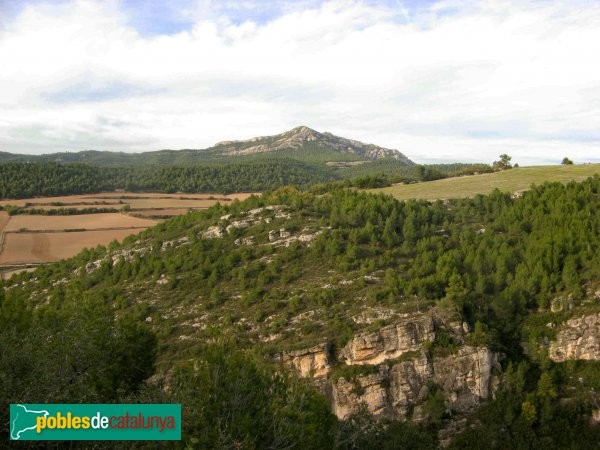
<point x="439" y="80"/>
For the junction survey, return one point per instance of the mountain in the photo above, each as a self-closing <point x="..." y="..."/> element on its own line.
<point x="303" y="138"/>
<point x="300" y="143"/>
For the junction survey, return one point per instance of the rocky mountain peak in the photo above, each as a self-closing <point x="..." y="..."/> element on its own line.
<point x="302" y="137"/>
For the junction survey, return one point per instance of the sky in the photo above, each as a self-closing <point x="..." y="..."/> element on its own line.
<point x="441" y="81"/>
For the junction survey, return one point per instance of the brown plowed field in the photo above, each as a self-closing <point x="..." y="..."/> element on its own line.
<point x="23" y="248"/>
<point x="78" y="221"/>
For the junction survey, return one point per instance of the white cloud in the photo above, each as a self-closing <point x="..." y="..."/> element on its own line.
<point x="455" y="81"/>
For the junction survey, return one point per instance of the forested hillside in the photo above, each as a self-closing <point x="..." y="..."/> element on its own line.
<point x="22" y="180"/>
<point x="203" y="309"/>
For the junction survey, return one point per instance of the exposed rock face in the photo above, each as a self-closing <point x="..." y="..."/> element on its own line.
<point x="465" y="376"/>
<point x="175" y="243"/>
<point x="408" y="384"/>
<point x="389" y="342"/>
<point x="449" y="322"/>
<point x="392" y="392"/>
<point x="401" y="371"/>
<point x="312" y="362"/>
<point x="370" y="390"/>
<point x="579" y="339"/>
<point x="370" y="315"/>
<point x="240" y="224"/>
<point x="244" y="241"/>
<point x="213" y="233"/>
<point x="297" y="137"/>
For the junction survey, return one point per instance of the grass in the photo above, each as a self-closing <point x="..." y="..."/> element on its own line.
<point x="514" y="180"/>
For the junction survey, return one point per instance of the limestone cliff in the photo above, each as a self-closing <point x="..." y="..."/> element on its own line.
<point x="465" y="376"/>
<point x="395" y="368"/>
<point x="312" y="362"/>
<point x="579" y="338"/>
<point x="389" y="342"/>
<point x="394" y="391"/>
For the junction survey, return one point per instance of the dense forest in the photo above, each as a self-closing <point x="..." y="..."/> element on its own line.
<point x="103" y="323"/>
<point x="22" y="180"/>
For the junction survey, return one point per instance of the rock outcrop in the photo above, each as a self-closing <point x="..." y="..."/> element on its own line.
<point x="389" y="342"/>
<point x="370" y="390"/>
<point x="578" y="339"/>
<point x="214" y="232"/>
<point x="465" y="376"/>
<point x="312" y="362"/>
<point x="395" y="370"/>
<point x="394" y="391"/>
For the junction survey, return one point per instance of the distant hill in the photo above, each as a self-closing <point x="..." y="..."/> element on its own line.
<point x="300" y="143"/>
<point x="513" y="180"/>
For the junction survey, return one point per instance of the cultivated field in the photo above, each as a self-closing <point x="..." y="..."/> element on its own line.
<point x="130" y="199"/>
<point x="513" y="180"/>
<point x="4" y="218"/>
<point x="27" y="248"/>
<point x="77" y="222"/>
<point x="30" y="239"/>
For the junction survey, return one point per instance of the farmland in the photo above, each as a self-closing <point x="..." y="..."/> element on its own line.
<point x="47" y="229"/>
<point x="514" y="180"/>
<point x="76" y="222"/>
<point x="29" y="248"/>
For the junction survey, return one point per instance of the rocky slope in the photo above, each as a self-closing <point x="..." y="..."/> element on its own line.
<point x="298" y="137"/>
<point x="400" y="370"/>
<point x="396" y="389"/>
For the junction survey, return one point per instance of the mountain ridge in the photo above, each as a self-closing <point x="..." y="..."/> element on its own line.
<point x="298" y="136"/>
<point x="298" y="143"/>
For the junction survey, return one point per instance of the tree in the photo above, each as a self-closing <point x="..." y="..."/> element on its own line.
<point x="233" y="401"/>
<point x="503" y="163"/>
<point x="456" y="293"/>
<point x="570" y="277"/>
<point x="566" y="161"/>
